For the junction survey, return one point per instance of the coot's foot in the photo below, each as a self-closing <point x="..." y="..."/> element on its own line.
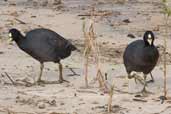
<point x="163" y="98"/>
<point x="136" y="77"/>
<point x="144" y="92"/>
<point x="61" y="81"/>
<point x="150" y="81"/>
<point x="139" y="79"/>
<point x="39" y="82"/>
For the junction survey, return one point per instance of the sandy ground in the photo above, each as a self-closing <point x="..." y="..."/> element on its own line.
<point x="132" y="17"/>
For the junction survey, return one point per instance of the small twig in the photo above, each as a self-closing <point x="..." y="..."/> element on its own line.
<point x="20" y="21"/>
<point x="86" y="91"/>
<point x="96" y="14"/>
<point x="16" y="83"/>
<point x="7" y="75"/>
<point x="84" y="15"/>
<point x="139" y="100"/>
<point x="74" y="73"/>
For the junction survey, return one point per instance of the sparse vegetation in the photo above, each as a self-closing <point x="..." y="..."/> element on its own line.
<point x="167" y="13"/>
<point x="107" y="30"/>
<point x="91" y="47"/>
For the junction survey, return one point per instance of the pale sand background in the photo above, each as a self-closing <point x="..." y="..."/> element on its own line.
<point x="112" y="35"/>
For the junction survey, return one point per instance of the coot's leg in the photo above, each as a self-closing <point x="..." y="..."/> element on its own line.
<point x="152" y="79"/>
<point x="144" y="91"/>
<point x="139" y="79"/>
<point x="41" y="71"/>
<point x="145" y="84"/>
<point x="60" y="73"/>
<point x="61" y="80"/>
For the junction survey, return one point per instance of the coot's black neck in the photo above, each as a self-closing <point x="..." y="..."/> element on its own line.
<point x="148" y="44"/>
<point x="19" y="38"/>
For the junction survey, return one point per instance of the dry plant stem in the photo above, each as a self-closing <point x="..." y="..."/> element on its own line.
<point x="91" y="47"/>
<point x="165" y="67"/>
<point x="96" y="52"/>
<point x="98" y="76"/>
<point x="110" y="99"/>
<point x="101" y="80"/>
<point x="86" y="55"/>
<point x="86" y="71"/>
<point x="93" y="44"/>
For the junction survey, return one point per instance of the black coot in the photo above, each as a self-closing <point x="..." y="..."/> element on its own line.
<point x="44" y="45"/>
<point x="141" y="56"/>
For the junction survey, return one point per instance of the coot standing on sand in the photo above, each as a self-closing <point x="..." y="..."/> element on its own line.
<point x="44" y="45"/>
<point x="141" y="56"/>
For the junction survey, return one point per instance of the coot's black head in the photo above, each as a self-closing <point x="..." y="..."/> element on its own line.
<point x="15" y="35"/>
<point x="149" y="38"/>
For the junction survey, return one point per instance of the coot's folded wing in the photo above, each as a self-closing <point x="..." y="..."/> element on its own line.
<point x="57" y="42"/>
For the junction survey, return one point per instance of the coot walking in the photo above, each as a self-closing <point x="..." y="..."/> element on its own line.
<point x="141" y="56"/>
<point x="43" y="45"/>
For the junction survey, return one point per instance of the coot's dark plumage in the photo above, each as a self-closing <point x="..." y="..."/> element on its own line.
<point x="44" y="45"/>
<point x="141" y="56"/>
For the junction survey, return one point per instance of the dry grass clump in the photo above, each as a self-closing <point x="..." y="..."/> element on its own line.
<point x="91" y="48"/>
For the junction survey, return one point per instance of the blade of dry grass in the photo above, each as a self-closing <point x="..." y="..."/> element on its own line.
<point x="110" y="98"/>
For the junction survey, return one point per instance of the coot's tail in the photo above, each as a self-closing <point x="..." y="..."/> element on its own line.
<point x="72" y="47"/>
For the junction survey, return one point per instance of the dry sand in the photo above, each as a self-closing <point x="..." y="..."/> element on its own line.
<point x="132" y="17"/>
